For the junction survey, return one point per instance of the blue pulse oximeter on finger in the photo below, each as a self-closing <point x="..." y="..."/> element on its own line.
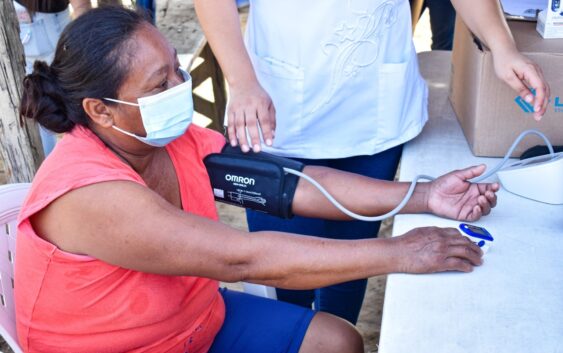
<point x="479" y="235"/>
<point x="476" y="232"/>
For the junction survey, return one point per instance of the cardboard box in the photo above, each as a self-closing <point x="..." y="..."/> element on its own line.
<point x="550" y="20"/>
<point x="490" y="112"/>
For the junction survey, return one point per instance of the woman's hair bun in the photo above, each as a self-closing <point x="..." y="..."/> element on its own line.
<point x="43" y="99"/>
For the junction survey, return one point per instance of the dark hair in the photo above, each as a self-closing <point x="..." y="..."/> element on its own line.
<point x="90" y="61"/>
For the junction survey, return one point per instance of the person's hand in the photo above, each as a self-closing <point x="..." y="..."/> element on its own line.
<point x="250" y="107"/>
<point x="522" y="74"/>
<point x="79" y="7"/>
<point x="432" y="249"/>
<point x="452" y="196"/>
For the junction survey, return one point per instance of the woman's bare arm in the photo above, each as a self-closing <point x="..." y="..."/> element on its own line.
<point x="128" y="225"/>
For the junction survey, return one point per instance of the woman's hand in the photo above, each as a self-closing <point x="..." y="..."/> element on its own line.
<point x="485" y="18"/>
<point x="452" y="196"/>
<point x="522" y="74"/>
<point x="250" y="107"/>
<point x="432" y="249"/>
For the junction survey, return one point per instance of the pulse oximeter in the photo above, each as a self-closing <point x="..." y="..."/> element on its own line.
<point x="478" y="235"/>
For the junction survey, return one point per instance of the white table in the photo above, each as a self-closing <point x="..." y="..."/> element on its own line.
<point x="514" y="301"/>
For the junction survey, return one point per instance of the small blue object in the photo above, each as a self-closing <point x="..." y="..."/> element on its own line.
<point x="525" y="106"/>
<point x="476" y="232"/>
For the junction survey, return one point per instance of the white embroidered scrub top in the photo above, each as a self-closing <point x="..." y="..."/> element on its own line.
<point x="342" y="74"/>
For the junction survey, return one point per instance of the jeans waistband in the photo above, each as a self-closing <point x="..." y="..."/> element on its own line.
<point x="47" y="15"/>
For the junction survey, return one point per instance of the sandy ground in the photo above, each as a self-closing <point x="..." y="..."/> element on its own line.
<point x="176" y="19"/>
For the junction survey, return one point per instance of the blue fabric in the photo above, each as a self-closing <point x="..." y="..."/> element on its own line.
<point x="149" y="6"/>
<point x="258" y="325"/>
<point x="343" y="300"/>
<point x="48" y="140"/>
<point x="442" y="22"/>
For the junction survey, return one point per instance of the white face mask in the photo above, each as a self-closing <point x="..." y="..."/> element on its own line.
<point x="166" y="115"/>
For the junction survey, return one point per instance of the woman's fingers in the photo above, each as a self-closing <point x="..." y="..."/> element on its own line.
<point x="534" y="76"/>
<point x="457" y="264"/>
<point x="231" y="131"/>
<point x="466" y="252"/>
<point x="265" y="122"/>
<point x="240" y="127"/>
<point x="484" y="204"/>
<point x="491" y="198"/>
<point x="432" y="249"/>
<point x="251" y="128"/>
<point x="472" y="172"/>
<point x="474" y="214"/>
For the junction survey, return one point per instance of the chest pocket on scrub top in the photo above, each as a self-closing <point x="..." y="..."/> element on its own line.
<point x="394" y="95"/>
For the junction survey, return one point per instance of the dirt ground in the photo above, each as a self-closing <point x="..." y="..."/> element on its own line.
<point x="177" y="20"/>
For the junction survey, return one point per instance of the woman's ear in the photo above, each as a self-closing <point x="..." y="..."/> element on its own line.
<point x="98" y="112"/>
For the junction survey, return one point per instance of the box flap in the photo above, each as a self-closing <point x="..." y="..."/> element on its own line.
<point x="529" y="41"/>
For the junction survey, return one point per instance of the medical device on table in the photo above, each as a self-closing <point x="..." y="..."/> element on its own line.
<point x="478" y="235"/>
<point x="539" y="178"/>
<point x="267" y="183"/>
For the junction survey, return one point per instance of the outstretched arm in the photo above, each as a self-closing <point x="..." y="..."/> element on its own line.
<point x="486" y="20"/>
<point x="128" y="225"/>
<point x="450" y="196"/>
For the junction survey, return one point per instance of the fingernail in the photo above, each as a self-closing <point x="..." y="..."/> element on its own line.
<point x="256" y="148"/>
<point x="269" y="142"/>
<point x="233" y="143"/>
<point x="529" y="98"/>
<point x="244" y="148"/>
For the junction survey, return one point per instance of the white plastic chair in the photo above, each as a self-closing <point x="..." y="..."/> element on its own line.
<point x="259" y="290"/>
<point x="11" y="199"/>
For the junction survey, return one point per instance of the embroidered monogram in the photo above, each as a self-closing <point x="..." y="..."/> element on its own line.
<point x="355" y="44"/>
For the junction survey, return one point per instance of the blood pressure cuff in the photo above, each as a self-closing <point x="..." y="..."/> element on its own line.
<point x="253" y="180"/>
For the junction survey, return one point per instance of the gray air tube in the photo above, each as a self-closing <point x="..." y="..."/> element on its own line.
<point x="413" y="183"/>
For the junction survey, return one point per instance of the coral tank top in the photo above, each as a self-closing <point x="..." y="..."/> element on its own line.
<point x="74" y="303"/>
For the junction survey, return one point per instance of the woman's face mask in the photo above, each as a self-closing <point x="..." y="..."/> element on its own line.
<point x="166" y="115"/>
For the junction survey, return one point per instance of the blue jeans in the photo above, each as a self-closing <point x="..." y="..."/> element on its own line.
<point x="149" y="6"/>
<point x="345" y="299"/>
<point x="39" y="39"/>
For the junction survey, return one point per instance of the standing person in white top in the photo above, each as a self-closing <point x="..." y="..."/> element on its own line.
<point x="41" y="24"/>
<point x="338" y="83"/>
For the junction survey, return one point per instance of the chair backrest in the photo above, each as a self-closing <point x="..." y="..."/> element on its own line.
<point x="11" y="199"/>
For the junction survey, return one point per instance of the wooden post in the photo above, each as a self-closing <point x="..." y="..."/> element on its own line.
<point x="20" y="144"/>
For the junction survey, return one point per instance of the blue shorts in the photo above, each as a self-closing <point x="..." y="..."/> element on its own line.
<point x="260" y="325"/>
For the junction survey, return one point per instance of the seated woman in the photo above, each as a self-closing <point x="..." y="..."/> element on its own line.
<point x="119" y="246"/>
